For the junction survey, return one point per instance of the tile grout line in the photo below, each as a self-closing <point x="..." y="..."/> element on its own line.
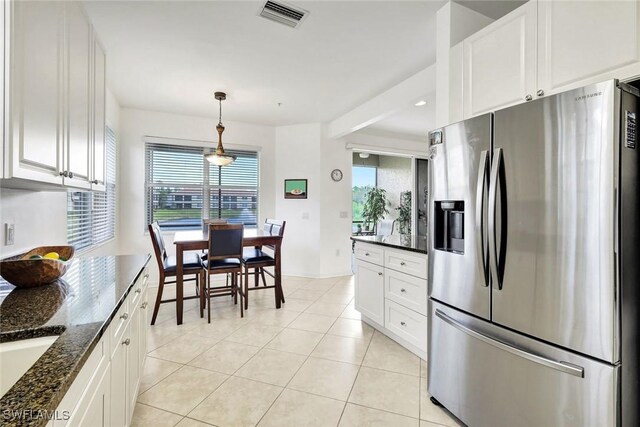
<point x="293" y="376"/>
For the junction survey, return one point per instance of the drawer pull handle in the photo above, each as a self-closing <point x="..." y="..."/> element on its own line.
<point x="126" y="342"/>
<point x="379" y="274"/>
<point x="403" y="290"/>
<point x="366" y="254"/>
<point x="144" y="305"/>
<point x="403" y="263"/>
<point x="138" y="290"/>
<point x="403" y="324"/>
<point x="125" y="316"/>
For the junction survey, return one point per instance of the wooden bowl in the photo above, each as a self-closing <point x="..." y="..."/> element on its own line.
<point x="23" y="272"/>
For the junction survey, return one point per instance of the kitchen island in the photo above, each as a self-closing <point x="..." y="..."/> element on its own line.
<point x="100" y="303"/>
<point x="391" y="287"/>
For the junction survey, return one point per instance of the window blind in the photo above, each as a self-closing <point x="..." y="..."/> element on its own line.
<point x="91" y="216"/>
<point x="182" y="188"/>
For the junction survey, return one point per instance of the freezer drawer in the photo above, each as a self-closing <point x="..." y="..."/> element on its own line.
<point x="488" y="376"/>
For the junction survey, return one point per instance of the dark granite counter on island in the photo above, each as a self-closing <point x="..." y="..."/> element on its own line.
<point x="409" y="242"/>
<point x="79" y="308"/>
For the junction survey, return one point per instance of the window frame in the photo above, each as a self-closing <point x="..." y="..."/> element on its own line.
<point x="89" y="199"/>
<point x="207" y="187"/>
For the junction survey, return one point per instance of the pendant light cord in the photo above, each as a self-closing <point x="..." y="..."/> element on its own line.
<point x="220" y="116"/>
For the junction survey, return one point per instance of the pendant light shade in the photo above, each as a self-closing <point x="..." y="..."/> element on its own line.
<point x="219" y="157"/>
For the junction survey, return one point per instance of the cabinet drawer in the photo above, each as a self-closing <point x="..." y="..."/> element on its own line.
<point x="118" y="325"/>
<point x="370" y="253"/>
<point x="406" y="262"/>
<point x="406" y="290"/>
<point x="407" y="324"/>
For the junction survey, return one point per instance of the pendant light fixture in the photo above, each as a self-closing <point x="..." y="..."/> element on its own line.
<point x="219" y="157"/>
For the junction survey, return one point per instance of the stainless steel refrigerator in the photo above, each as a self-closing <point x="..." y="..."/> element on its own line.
<point x="533" y="265"/>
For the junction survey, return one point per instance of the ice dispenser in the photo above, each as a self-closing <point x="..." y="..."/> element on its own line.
<point x="449" y="226"/>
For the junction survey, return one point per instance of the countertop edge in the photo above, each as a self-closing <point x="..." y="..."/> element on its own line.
<point x="55" y="393"/>
<point x="364" y="239"/>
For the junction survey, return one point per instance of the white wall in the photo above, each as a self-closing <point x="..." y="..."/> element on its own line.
<point x="316" y="242"/>
<point x="136" y="124"/>
<point x="39" y="218"/>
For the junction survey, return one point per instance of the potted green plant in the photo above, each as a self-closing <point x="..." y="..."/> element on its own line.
<point x="404" y="213"/>
<point x="375" y="206"/>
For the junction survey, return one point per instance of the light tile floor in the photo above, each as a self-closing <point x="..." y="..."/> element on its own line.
<point x="311" y="363"/>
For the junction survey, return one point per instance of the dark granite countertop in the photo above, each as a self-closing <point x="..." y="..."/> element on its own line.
<point x="78" y="307"/>
<point x="409" y="242"/>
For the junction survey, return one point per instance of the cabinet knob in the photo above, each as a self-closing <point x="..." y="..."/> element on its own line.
<point x="403" y="290"/>
<point x="403" y="263"/>
<point x="540" y="92"/>
<point x="366" y="254"/>
<point x="125" y="316"/>
<point x="126" y="342"/>
<point x="70" y="174"/>
<point x="138" y="290"/>
<point x="528" y="98"/>
<point x="144" y="305"/>
<point x="64" y="173"/>
<point x="95" y="181"/>
<point x="379" y="274"/>
<point x="403" y="324"/>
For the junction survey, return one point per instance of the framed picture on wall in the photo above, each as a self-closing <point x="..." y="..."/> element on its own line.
<point x="295" y="188"/>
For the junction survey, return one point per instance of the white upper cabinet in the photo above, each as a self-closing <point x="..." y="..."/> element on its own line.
<point x="585" y="42"/>
<point x="78" y="96"/>
<point x="52" y="104"/>
<point x="98" y="175"/>
<point x="34" y="144"/>
<point x="500" y="62"/>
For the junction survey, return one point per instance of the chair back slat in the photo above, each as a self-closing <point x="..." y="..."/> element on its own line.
<point x="277" y="227"/>
<point x="158" y="243"/>
<point x="225" y="241"/>
<point x="266" y="227"/>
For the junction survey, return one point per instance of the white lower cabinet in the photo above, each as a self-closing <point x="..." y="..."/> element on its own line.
<point x="391" y="294"/>
<point x="369" y="290"/>
<point x="105" y="390"/>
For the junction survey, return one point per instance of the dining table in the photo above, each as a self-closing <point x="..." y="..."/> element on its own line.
<point x="193" y="240"/>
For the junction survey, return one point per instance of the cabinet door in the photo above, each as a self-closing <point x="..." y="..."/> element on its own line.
<point x="133" y="362"/>
<point x="500" y="62"/>
<point x="97" y="412"/>
<point x="36" y="90"/>
<point x="99" y="145"/>
<point x="580" y="43"/>
<point x="369" y="291"/>
<point x="78" y="40"/>
<point x="119" y="414"/>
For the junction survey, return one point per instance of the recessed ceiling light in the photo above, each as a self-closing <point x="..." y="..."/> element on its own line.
<point x="421" y="103"/>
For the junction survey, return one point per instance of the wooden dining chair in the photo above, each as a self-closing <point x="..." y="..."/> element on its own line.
<point x="257" y="259"/>
<point x="167" y="267"/>
<point x="224" y="257"/>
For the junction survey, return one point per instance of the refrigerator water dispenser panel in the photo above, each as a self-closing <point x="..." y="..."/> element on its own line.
<point x="449" y="226"/>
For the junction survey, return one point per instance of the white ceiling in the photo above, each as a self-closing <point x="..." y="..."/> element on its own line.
<point x="412" y="122"/>
<point x="172" y="55"/>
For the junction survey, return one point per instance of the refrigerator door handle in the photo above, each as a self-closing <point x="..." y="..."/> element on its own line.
<point x="493" y="189"/>
<point x="567" y="368"/>
<point x="481" y="188"/>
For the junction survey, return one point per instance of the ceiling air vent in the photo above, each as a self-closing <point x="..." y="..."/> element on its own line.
<point x="283" y="13"/>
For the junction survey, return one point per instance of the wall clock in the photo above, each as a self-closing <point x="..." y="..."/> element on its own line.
<point x="336" y="175"/>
